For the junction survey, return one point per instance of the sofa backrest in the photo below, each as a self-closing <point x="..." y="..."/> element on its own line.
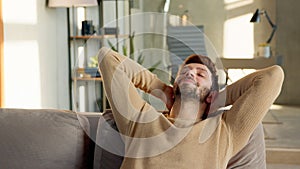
<point x="45" y="139"/>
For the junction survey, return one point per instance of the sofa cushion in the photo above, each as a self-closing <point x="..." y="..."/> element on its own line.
<point x="110" y="148"/>
<point x="38" y="139"/>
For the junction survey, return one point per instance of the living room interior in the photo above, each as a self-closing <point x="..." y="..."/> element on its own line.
<point x="38" y="58"/>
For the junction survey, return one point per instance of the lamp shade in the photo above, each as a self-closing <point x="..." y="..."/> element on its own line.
<point x="71" y="3"/>
<point x="256" y="16"/>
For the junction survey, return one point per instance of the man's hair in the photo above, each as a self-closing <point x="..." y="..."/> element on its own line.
<point x="194" y="58"/>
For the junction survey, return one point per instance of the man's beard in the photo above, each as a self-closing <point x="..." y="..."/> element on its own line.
<point x="197" y="92"/>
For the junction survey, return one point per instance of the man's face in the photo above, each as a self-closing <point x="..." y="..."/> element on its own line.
<point x="194" y="80"/>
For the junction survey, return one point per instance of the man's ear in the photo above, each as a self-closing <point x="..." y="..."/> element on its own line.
<point x="212" y="96"/>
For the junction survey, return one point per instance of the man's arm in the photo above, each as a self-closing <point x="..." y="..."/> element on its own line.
<point x="121" y="76"/>
<point x="253" y="155"/>
<point x="251" y="98"/>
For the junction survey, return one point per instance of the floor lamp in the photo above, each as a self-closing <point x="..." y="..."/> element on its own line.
<point x="71" y="4"/>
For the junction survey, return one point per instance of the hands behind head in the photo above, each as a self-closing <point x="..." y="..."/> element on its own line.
<point x="169" y="99"/>
<point x="166" y="95"/>
<point x="217" y="100"/>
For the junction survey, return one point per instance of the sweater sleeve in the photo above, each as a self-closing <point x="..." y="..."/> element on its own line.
<point x="121" y="76"/>
<point x="251" y="97"/>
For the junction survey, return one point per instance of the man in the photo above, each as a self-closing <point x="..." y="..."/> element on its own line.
<point x="186" y="138"/>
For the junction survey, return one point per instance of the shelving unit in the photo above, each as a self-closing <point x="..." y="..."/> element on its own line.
<point x="87" y="94"/>
<point x="97" y="37"/>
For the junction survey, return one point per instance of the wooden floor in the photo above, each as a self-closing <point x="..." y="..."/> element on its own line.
<point x="282" y="128"/>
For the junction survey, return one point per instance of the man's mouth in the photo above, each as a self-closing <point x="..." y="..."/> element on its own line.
<point x="188" y="80"/>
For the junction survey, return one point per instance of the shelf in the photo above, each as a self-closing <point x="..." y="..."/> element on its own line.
<point x="88" y="78"/>
<point x="98" y="37"/>
<point x="82" y="76"/>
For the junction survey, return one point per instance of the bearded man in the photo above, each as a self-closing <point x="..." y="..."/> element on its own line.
<point x="188" y="137"/>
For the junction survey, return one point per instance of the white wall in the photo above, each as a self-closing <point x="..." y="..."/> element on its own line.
<point x="35" y="55"/>
<point x="288" y="45"/>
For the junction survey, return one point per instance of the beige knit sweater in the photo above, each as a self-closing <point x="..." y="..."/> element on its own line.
<point x="153" y="141"/>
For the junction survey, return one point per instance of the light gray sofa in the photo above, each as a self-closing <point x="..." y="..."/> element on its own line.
<point x="45" y="138"/>
<point x="62" y="139"/>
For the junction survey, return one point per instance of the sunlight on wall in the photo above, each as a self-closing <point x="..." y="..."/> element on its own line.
<point x="80" y="18"/>
<point x="232" y="4"/>
<point x="238" y="37"/>
<point x="81" y="58"/>
<point x="82" y="99"/>
<point x="22" y="74"/>
<point x="236" y="74"/>
<point x="20" y="11"/>
<point x="21" y="57"/>
<point x="231" y="1"/>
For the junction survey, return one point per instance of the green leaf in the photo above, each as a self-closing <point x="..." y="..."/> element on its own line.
<point x="112" y="46"/>
<point x="153" y="67"/>
<point x="141" y="59"/>
<point x="124" y="50"/>
<point x="131" y="44"/>
<point x="93" y="61"/>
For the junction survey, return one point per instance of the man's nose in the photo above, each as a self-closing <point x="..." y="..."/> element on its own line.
<point x="190" y="73"/>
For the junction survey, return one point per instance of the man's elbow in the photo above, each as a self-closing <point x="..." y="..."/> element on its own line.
<point x="275" y="79"/>
<point x="102" y="55"/>
<point x="277" y="74"/>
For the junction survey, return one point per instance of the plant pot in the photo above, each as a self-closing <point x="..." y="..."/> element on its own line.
<point x="93" y="71"/>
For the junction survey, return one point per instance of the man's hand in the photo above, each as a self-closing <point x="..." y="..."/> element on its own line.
<point x="217" y="101"/>
<point x="166" y="95"/>
<point x="169" y="93"/>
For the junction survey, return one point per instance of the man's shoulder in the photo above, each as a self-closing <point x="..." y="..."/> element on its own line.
<point x="212" y="123"/>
